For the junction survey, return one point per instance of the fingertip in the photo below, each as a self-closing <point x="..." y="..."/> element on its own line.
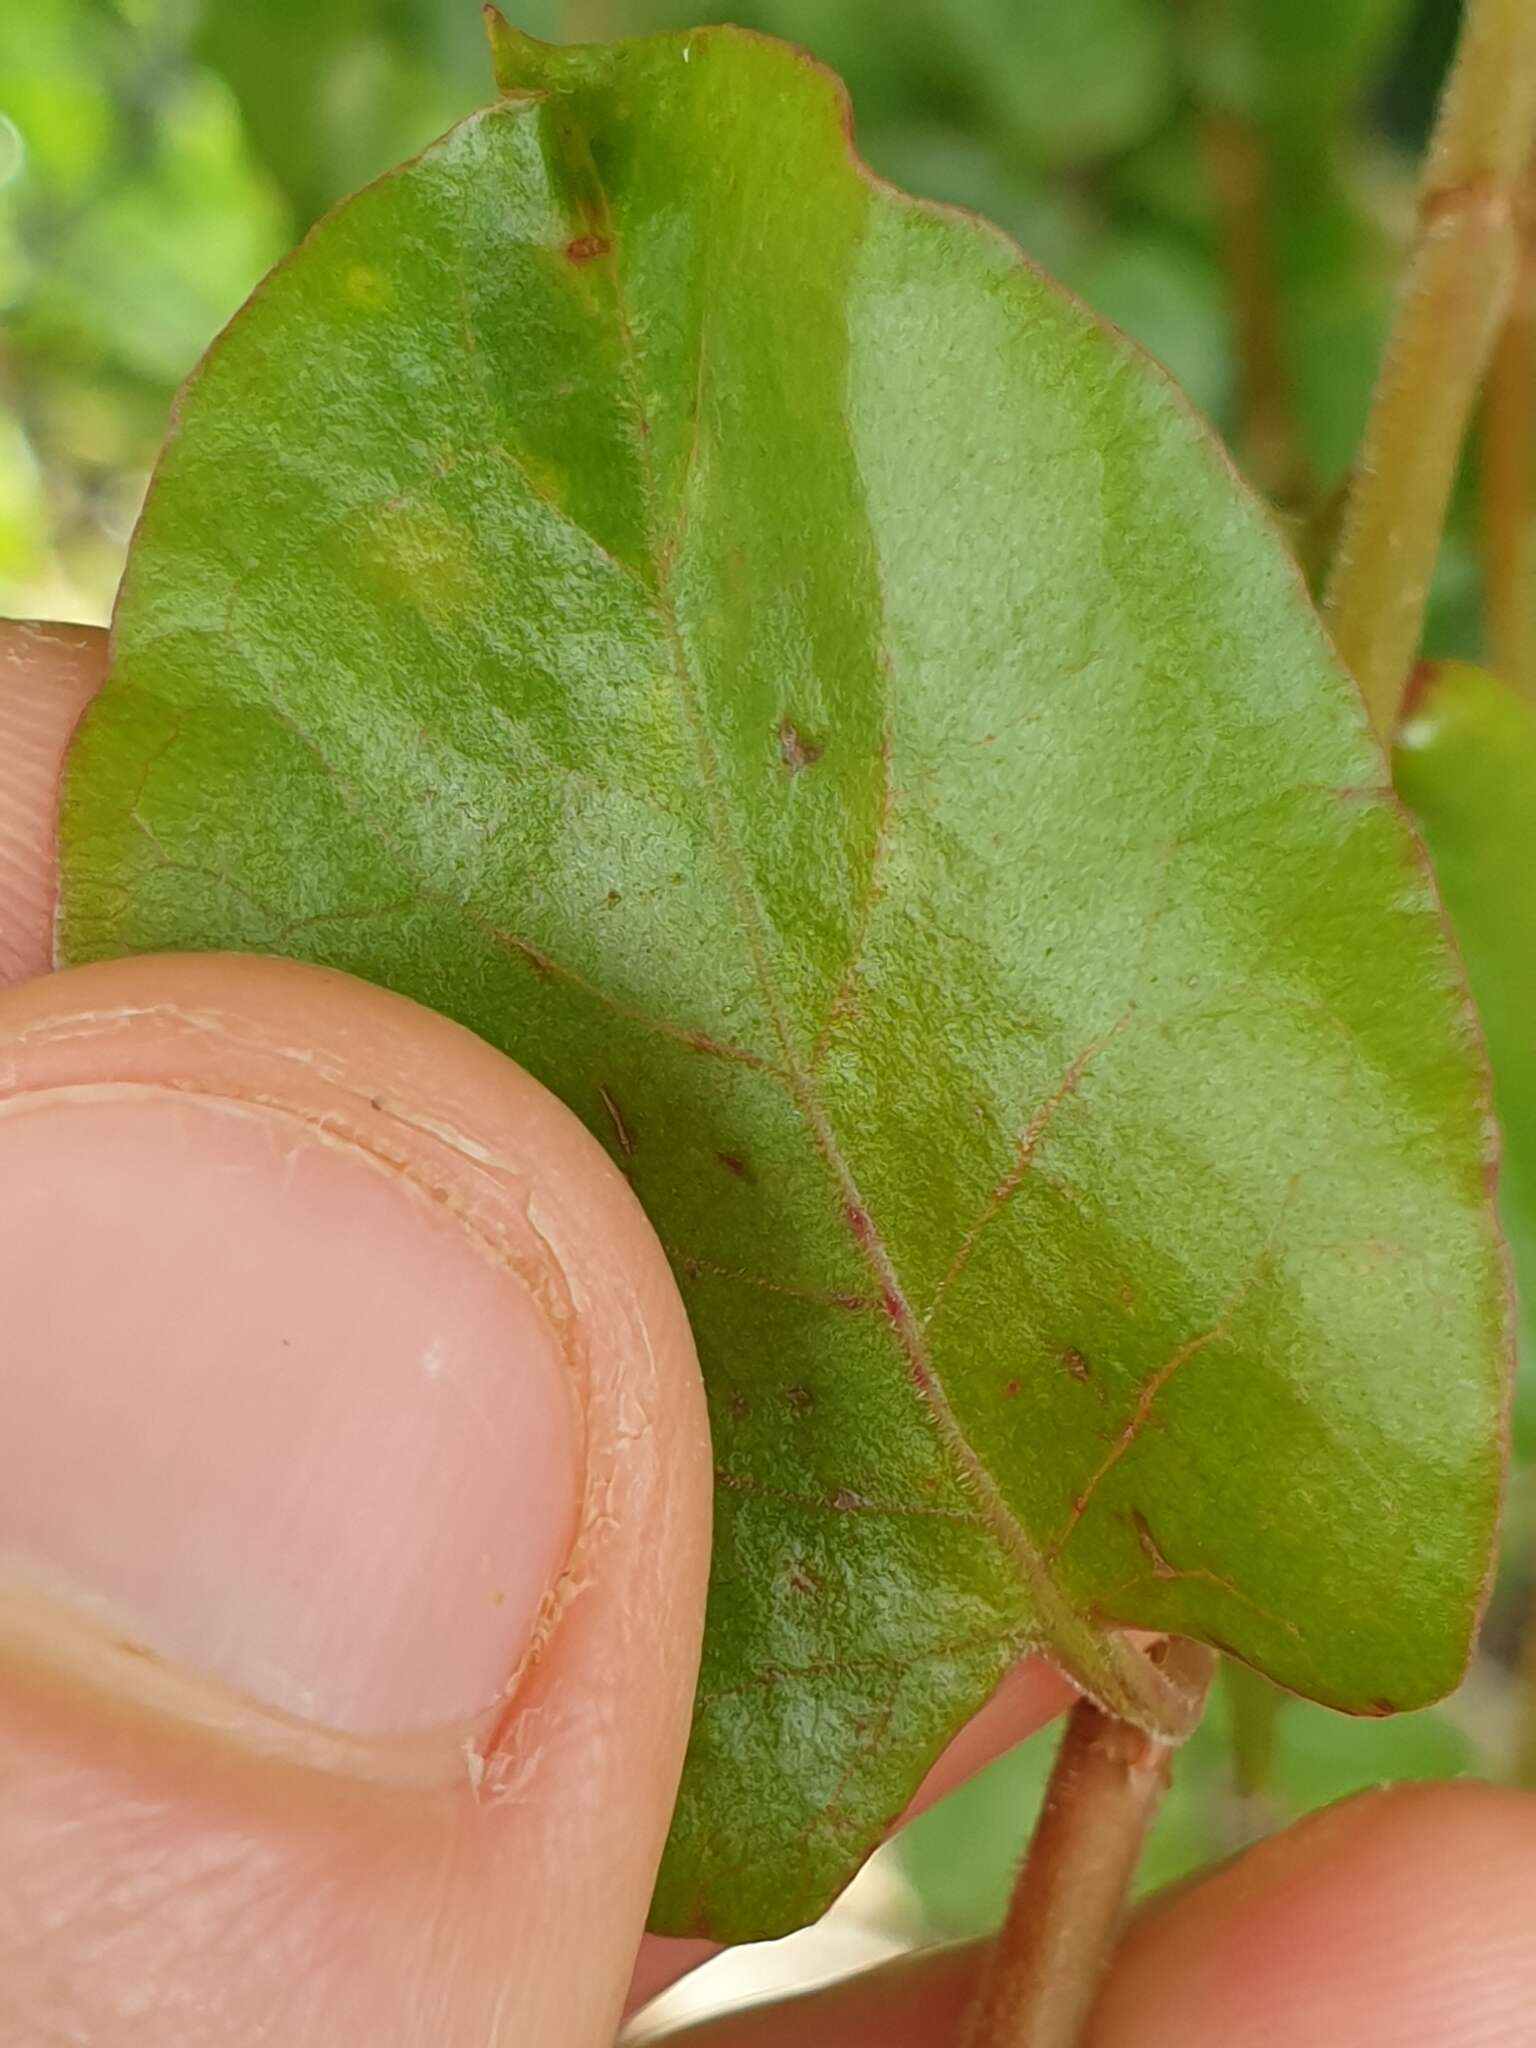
<point x="266" y="1343"/>
<point x="48" y="674"/>
<point x="1399" y="1919"/>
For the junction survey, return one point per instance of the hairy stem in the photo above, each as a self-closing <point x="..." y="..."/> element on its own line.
<point x="1449" y="307"/>
<point x="1066" y="1908"/>
<point x="1509" y="471"/>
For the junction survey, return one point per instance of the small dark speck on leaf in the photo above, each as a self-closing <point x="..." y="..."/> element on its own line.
<point x="735" y="1164"/>
<point x="795" y="750"/>
<point x="586" y="247"/>
<point x="614" y="896"/>
<point x="801" y="1399"/>
<point x="376" y="1102"/>
<point x="1013" y="1389"/>
<point x="1077" y="1365"/>
<point x="623" y="1137"/>
<point x="802" y="1580"/>
<point x="1161" y="1568"/>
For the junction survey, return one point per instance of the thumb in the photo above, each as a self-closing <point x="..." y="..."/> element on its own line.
<point x="353" y="1524"/>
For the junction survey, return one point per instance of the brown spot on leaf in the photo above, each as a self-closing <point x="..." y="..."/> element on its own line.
<point x="795" y="750"/>
<point x="845" y="1500"/>
<point x="734" y="1164"/>
<point x="586" y="247"/>
<point x="1013" y="1389"/>
<point x="1077" y="1365"/>
<point x="614" y="896"/>
<point x="802" y="1581"/>
<point x="801" y="1399"/>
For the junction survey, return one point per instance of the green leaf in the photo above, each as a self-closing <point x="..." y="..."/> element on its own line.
<point x="1466" y="763"/>
<point x="750" y="646"/>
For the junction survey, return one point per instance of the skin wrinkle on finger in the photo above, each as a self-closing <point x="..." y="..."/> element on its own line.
<point x="230" y="1890"/>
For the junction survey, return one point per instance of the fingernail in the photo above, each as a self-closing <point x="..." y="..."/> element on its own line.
<point x="270" y="1412"/>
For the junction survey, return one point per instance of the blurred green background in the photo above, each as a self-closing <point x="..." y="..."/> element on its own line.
<point x="157" y="155"/>
<point x="1230" y="180"/>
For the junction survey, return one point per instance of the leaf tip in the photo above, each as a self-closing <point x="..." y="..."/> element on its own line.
<point x="513" y="53"/>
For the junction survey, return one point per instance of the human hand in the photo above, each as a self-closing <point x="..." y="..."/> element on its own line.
<point x="354" y="1518"/>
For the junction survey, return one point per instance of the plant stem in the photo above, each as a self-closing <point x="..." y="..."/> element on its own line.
<point x="1509" y="471"/>
<point x="1269" y="435"/>
<point x="1045" y="1967"/>
<point x="1449" y="307"/>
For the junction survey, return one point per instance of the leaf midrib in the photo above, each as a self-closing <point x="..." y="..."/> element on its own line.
<point x="1120" y="1676"/>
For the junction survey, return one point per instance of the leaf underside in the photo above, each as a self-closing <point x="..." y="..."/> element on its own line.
<point x="751" y="647"/>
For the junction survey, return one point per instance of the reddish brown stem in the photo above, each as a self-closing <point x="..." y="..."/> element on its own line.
<point x="1046" y="1964"/>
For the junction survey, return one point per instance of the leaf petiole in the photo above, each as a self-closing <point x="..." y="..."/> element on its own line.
<point x="1107" y="1783"/>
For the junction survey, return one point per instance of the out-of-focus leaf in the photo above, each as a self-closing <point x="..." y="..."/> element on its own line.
<point x="1466" y="763"/>
<point x="164" y="258"/>
<point x="1070" y="84"/>
<point x="51" y="91"/>
<point x="1321" y="1757"/>
<point x="1280" y="61"/>
<point x="334" y="91"/>
<point x="1294" y="72"/>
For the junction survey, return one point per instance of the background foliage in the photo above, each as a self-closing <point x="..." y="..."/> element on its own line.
<point x="1231" y="180"/>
